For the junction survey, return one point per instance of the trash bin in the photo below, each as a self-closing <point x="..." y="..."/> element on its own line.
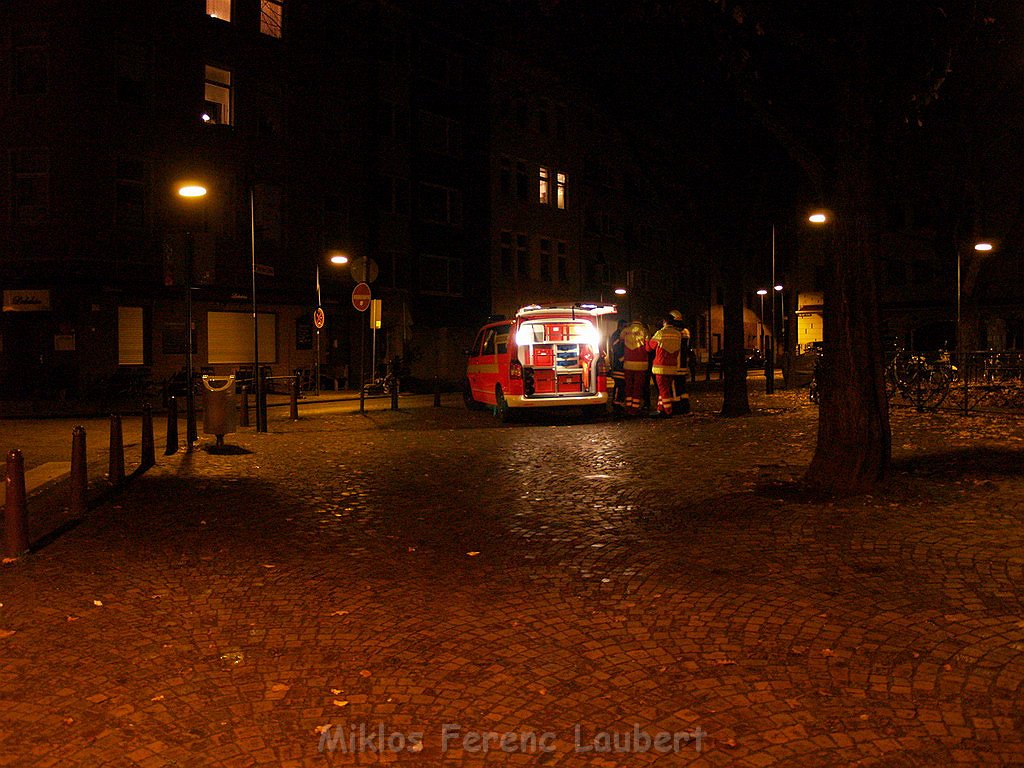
<point x="220" y="414"/>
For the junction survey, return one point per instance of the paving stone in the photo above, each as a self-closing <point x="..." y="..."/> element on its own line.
<point x="329" y="560"/>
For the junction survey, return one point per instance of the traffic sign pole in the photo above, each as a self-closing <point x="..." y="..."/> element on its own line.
<point x="361" y="298"/>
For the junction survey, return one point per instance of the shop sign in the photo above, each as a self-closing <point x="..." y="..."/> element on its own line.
<point x="26" y="301"/>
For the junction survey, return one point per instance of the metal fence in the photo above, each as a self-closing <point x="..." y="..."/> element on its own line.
<point x="968" y="382"/>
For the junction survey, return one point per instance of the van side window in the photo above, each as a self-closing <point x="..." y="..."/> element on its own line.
<point x="475" y="349"/>
<point x="489" y="342"/>
<point x="502" y="338"/>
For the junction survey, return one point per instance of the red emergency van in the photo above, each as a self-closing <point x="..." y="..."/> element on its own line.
<point x="546" y="356"/>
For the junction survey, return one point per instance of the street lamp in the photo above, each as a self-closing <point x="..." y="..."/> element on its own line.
<point x="818" y="217"/>
<point x="189" y="191"/>
<point x="782" y="316"/>
<point x="980" y="247"/>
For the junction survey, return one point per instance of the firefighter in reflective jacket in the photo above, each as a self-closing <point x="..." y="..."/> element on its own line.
<point x="667" y="344"/>
<point x="682" y="396"/>
<point x="634" y="364"/>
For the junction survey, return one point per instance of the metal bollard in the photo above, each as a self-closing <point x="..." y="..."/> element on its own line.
<point x="394" y="395"/>
<point x="148" y="446"/>
<point x="261" y="405"/>
<point x="15" y="507"/>
<point x="294" y="405"/>
<point x="172" y="427"/>
<point x="115" y="472"/>
<point x="437" y="392"/>
<point x="244" y="417"/>
<point x="79" y="472"/>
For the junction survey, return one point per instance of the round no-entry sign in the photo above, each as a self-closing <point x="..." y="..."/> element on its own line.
<point x="361" y="297"/>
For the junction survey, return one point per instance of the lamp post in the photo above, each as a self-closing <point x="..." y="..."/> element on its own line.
<point x="189" y="191"/>
<point x="762" y="292"/>
<point x="782" y="315"/>
<point x="339" y="259"/>
<point x="981" y="247"/>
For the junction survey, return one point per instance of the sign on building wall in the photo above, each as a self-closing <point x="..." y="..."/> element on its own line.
<point x="26" y="301"/>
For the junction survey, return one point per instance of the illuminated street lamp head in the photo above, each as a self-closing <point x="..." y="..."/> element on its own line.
<point x="818" y="217"/>
<point x="778" y="287"/>
<point x="620" y="291"/>
<point x="192" y="190"/>
<point x="762" y="291"/>
<point x="983" y="246"/>
<point x="339" y="258"/>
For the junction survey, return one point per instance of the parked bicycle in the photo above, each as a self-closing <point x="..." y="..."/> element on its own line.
<point x="386" y="380"/>
<point x="924" y="381"/>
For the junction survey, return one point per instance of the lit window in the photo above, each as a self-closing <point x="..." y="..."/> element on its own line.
<point x="271" y="13"/>
<point x="219" y="9"/>
<point x="545" y="195"/>
<point x="560" y="191"/>
<point x="217" y="108"/>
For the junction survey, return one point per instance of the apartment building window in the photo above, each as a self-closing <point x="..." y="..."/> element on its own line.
<point x="134" y="72"/>
<point x="130" y="210"/>
<point x="522" y="256"/>
<point x="390" y="276"/>
<point x="505" y="177"/>
<point x="439" y="134"/>
<point x="392" y="121"/>
<point x="271" y="15"/>
<point x="393" y="48"/>
<point x="440" y="275"/>
<point x="31" y="185"/>
<point x="131" y="342"/>
<point x="544" y="196"/>
<point x="545" y="259"/>
<point x="522" y="182"/>
<point x="394" y="195"/>
<point x="217" y="107"/>
<point x="440" y="65"/>
<point x="31" y="70"/>
<point x="506" y="253"/>
<point x="219" y="9"/>
<point x="562" y="182"/>
<point x="563" y="262"/>
<point x="441" y="205"/>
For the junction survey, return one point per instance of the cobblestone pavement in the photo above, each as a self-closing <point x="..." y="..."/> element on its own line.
<point x="579" y="585"/>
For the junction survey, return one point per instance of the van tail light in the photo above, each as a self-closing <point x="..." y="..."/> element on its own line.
<point x="515" y="370"/>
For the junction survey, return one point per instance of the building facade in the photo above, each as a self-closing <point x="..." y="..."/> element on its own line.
<point x="459" y="178"/>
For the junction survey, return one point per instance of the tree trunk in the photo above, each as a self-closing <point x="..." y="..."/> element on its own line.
<point x="734" y="370"/>
<point x="854" y="439"/>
